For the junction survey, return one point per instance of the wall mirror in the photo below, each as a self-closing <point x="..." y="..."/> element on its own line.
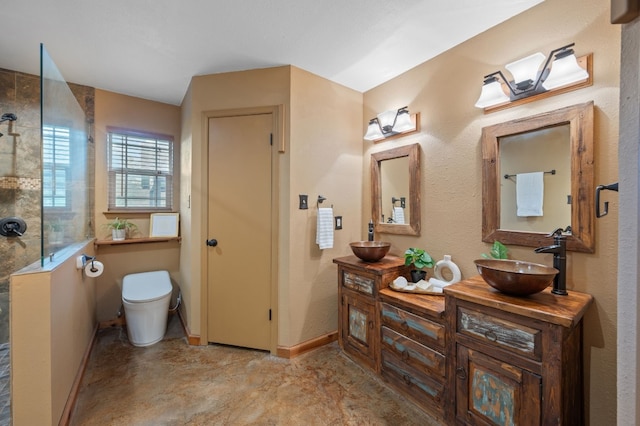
<point x="395" y="190"/>
<point x="552" y="154"/>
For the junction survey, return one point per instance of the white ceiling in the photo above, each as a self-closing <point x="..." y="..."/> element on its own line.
<point x="151" y="48"/>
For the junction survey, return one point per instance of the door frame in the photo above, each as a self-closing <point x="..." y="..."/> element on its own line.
<point x="277" y="114"/>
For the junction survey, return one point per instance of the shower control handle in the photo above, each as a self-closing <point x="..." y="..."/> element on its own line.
<point x="212" y="242"/>
<point x="12" y="227"/>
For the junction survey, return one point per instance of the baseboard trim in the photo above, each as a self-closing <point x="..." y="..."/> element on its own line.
<point x="294" y="351"/>
<point x="192" y="339"/>
<point x="75" y="387"/>
<point x="116" y="322"/>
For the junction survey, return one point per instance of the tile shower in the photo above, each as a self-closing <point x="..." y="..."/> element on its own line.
<point x="21" y="178"/>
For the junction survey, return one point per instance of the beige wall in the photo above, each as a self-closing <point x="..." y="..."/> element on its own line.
<point x="444" y="90"/>
<point x="322" y="157"/>
<point x="52" y="325"/>
<point x="120" y="260"/>
<point x="325" y="159"/>
<point x="247" y="89"/>
<point x="112" y="109"/>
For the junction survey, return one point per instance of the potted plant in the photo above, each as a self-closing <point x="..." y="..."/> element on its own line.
<point x="498" y="251"/>
<point x="119" y="228"/>
<point x="56" y="231"/>
<point x="420" y="259"/>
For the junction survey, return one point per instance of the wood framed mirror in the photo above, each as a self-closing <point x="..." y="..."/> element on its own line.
<point x="572" y="148"/>
<point x="395" y="190"/>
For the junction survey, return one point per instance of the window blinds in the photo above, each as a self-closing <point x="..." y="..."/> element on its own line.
<point x="140" y="171"/>
<point x="56" y="162"/>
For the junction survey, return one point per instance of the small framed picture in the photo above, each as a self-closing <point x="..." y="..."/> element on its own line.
<point x="164" y="225"/>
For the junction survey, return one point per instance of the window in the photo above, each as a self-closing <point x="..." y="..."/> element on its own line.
<point x="56" y="167"/>
<point x="140" y="167"/>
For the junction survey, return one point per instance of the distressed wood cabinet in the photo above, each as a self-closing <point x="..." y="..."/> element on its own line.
<point x="359" y="284"/>
<point x="514" y="360"/>
<point x="413" y="347"/>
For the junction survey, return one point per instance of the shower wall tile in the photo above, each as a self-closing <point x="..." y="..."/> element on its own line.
<point x="28" y="100"/>
<point x="28" y="161"/>
<point x="7" y="198"/>
<point x="7" y="158"/>
<point x="20" y="168"/>
<point x="20" y="178"/>
<point x="7" y="90"/>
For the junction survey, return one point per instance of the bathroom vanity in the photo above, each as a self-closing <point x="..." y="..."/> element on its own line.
<point x="472" y="356"/>
<point x="515" y="360"/>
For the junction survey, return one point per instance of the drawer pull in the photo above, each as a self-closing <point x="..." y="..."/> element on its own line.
<point x="404" y="326"/>
<point x="491" y="336"/>
<point x="370" y="325"/>
<point x="461" y="373"/>
<point x="406" y="379"/>
<point x="405" y="355"/>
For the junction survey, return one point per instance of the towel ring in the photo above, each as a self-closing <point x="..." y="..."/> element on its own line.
<point x="321" y="199"/>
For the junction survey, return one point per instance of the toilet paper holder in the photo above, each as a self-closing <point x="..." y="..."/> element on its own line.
<point x="81" y="262"/>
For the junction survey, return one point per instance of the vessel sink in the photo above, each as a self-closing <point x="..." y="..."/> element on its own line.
<point x="370" y="251"/>
<point x="515" y="277"/>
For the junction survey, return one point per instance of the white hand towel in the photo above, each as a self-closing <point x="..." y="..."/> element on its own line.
<point x="529" y="193"/>
<point x="398" y="215"/>
<point x="324" y="231"/>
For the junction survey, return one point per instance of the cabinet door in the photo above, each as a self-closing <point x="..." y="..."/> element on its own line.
<point x="358" y="326"/>
<point x="491" y="392"/>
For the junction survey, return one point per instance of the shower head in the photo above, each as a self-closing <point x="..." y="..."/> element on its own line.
<point x="8" y="117"/>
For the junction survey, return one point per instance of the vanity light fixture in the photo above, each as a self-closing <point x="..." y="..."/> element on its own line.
<point x="565" y="73"/>
<point x="390" y="123"/>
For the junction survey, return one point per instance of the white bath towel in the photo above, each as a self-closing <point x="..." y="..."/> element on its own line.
<point x="324" y="231"/>
<point x="398" y="215"/>
<point x="529" y="193"/>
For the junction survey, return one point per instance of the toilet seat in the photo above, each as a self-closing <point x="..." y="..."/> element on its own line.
<point x="146" y="286"/>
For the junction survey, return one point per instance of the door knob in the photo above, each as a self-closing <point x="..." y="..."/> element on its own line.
<point x="212" y="242"/>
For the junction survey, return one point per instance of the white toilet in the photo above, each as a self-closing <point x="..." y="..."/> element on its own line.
<point x="146" y="297"/>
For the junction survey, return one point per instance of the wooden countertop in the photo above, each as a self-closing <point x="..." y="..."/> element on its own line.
<point x="545" y="306"/>
<point x="386" y="264"/>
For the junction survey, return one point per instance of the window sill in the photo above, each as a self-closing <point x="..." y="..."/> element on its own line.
<point x="136" y="212"/>
<point x="110" y="242"/>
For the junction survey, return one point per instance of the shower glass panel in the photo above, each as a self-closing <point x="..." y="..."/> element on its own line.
<point x="66" y="207"/>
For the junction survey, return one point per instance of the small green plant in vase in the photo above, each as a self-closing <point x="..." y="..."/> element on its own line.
<point x="420" y="259"/>
<point x="56" y="231"/>
<point x="120" y="227"/>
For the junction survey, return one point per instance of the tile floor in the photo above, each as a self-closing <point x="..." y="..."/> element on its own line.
<point x="172" y="383"/>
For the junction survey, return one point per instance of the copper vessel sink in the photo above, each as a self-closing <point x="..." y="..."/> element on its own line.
<point x="515" y="277"/>
<point x="370" y="251"/>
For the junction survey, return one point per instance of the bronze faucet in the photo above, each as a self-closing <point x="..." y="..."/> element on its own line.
<point x="559" y="250"/>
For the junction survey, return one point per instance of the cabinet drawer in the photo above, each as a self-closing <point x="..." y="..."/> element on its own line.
<point x="358" y="282"/>
<point x="417" y="328"/>
<point x="421" y="388"/>
<point x="499" y="332"/>
<point x="412" y="353"/>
